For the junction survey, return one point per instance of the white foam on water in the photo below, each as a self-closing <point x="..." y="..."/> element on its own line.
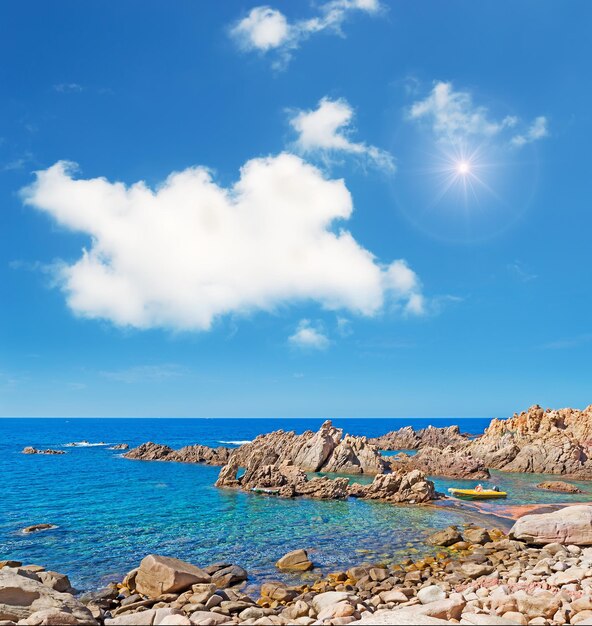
<point x="238" y="442"/>
<point x="84" y="444"/>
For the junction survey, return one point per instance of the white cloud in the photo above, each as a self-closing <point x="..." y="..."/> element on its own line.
<point x="325" y="130"/>
<point x="266" y="29"/>
<point x="263" y="29"/>
<point x="189" y="251"/>
<point x="537" y="130"/>
<point x="309" y="337"/>
<point x="454" y="116"/>
<point x="68" y="88"/>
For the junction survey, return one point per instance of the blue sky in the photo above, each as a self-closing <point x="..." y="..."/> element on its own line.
<point x="348" y="208"/>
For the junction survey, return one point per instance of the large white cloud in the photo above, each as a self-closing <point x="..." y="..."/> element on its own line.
<point x="265" y="29"/>
<point x="189" y="251"/>
<point x="325" y="130"/>
<point x="453" y="115"/>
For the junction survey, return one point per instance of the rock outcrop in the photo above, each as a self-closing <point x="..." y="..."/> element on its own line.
<point x="31" y="450"/>
<point x="119" y="446"/>
<point x="450" y="462"/>
<point x="539" y="441"/>
<point x="189" y="454"/>
<point x="571" y="525"/>
<point x="327" y="450"/>
<point x="35" y="528"/>
<point x="559" y="486"/>
<point x="407" y="438"/>
<point x="411" y="487"/>
<point x="25" y="596"/>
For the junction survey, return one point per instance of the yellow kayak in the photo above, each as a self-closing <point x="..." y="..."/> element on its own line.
<point x="473" y="494"/>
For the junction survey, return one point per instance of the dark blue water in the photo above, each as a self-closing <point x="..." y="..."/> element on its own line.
<point x="111" y="512"/>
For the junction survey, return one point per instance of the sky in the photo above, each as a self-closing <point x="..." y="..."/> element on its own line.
<point x="339" y="208"/>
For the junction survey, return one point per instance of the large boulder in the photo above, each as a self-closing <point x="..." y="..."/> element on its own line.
<point x="21" y="596"/>
<point x="296" y="561"/>
<point x="161" y="574"/>
<point x="569" y="525"/>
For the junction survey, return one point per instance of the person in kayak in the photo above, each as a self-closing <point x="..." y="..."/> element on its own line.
<point x="479" y="487"/>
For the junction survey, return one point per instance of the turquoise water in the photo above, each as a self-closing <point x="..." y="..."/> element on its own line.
<point x="111" y="512"/>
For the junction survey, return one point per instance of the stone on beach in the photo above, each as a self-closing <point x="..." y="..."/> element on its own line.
<point x="297" y="561"/>
<point x="22" y="596"/>
<point x="569" y="525"/>
<point x="160" y="574"/>
<point x="446" y="537"/>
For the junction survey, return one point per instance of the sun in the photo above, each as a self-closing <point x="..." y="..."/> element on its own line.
<point x="463" y="168"/>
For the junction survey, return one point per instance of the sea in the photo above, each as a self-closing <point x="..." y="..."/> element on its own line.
<point x="110" y="512"/>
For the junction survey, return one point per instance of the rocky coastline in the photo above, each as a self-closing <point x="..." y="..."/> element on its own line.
<point x="539" y="573"/>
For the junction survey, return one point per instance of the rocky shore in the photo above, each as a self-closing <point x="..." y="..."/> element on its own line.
<point x="31" y="450"/>
<point x="540" y="573"/>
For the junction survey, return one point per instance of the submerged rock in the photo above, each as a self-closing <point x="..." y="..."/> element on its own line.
<point x="119" y="446"/>
<point x="558" y="485"/>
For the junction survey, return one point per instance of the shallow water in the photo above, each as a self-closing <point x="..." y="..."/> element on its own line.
<point x="111" y="512"/>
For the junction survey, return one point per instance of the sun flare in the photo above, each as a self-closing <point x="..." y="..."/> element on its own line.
<point x="463" y="167"/>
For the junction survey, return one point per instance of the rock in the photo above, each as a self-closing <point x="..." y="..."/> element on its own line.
<point x="569" y="525"/>
<point x="189" y="454"/>
<point x="542" y="604"/>
<point x="489" y="620"/>
<point x="31" y="450"/>
<point x="38" y="527"/>
<point x="10" y="564"/>
<point x="59" y="582"/>
<point x="539" y="441"/>
<point x="449" y="462"/>
<point x="207" y="619"/>
<point x="445" y="537"/>
<point x="51" y="617"/>
<point x="354" y="455"/>
<point x="399" y="616"/>
<point x="278" y="591"/>
<point x="159" y="574"/>
<point x="297" y="561"/>
<point x="476" y="570"/>
<point x="22" y="596"/>
<point x="340" y="609"/>
<point x="228" y="576"/>
<point x="412" y="487"/>
<point x="476" y="535"/>
<point x="329" y="598"/>
<point x="119" y="446"/>
<point x="431" y="594"/>
<point x="142" y="618"/>
<point x="408" y="439"/>
<point x="558" y="485"/>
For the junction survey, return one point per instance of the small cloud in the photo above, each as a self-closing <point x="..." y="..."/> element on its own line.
<point x="77" y="386"/>
<point x="298" y="375"/>
<point x="17" y="164"/>
<point x="266" y="29"/>
<point x="453" y="115"/>
<point x="309" y="337"/>
<point x="538" y="130"/>
<point x="145" y="373"/>
<point x="518" y="270"/>
<point x="68" y="88"/>
<point x="326" y="129"/>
